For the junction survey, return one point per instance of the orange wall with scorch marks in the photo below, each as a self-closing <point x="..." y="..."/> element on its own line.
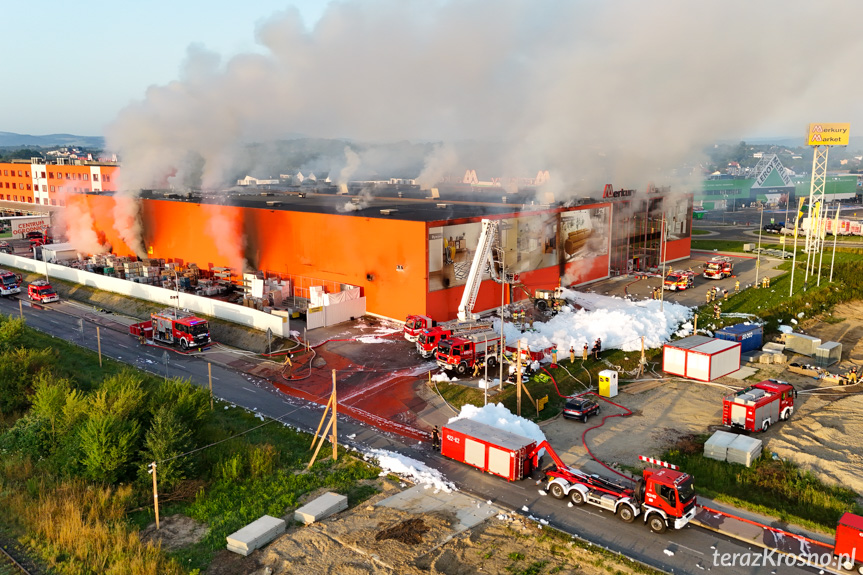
<point x="343" y="249"/>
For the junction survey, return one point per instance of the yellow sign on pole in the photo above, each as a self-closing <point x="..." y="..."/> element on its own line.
<point x="828" y="134"/>
<point x="540" y="403"/>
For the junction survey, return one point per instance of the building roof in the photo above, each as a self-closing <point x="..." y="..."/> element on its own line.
<point x="366" y="206"/>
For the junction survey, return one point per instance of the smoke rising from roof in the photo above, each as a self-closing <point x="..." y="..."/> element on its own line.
<point x="620" y="91"/>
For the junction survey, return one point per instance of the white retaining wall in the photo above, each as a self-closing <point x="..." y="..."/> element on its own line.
<point x="214" y="308"/>
<point x="327" y="315"/>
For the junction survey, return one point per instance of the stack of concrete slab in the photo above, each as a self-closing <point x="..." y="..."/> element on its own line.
<point x="320" y="508"/>
<point x="255" y="535"/>
<point x="717" y="446"/>
<point x="743" y="450"/>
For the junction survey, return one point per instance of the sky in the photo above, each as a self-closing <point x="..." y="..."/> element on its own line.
<point x="621" y="91"/>
<point x="107" y="54"/>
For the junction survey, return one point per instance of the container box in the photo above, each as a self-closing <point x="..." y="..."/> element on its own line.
<point x="749" y="335"/>
<point x="701" y="358"/>
<point x="608" y="383"/>
<point x="487" y="448"/>
<point x="802" y="344"/>
<point x="828" y="353"/>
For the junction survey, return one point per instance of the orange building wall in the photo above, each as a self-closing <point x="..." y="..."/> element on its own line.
<point x="344" y="249"/>
<point x="678" y="249"/>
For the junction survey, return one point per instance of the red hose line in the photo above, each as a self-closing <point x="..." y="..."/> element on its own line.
<point x="584" y="435"/>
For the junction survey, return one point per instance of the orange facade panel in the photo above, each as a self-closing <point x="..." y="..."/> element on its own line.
<point x="386" y="258"/>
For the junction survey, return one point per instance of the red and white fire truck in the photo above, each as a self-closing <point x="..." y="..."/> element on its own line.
<point x="42" y="292"/>
<point x="757" y="407"/>
<point x="679" y="280"/>
<point x="664" y="497"/>
<point x="174" y="327"/>
<point x="10" y="283"/>
<point x="429" y="338"/>
<point x="718" y="268"/>
<point x="463" y="353"/>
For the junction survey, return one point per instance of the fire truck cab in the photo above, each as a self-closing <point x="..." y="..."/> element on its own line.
<point x="10" y="283"/>
<point x="718" y="268"/>
<point x="415" y="324"/>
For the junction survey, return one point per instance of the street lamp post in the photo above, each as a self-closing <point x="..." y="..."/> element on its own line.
<point x="758" y="255"/>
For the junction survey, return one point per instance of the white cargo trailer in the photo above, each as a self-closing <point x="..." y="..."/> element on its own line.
<point x="701" y="358"/>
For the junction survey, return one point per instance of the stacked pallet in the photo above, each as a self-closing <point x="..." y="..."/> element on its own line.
<point x="321" y="508"/>
<point x="255" y="535"/>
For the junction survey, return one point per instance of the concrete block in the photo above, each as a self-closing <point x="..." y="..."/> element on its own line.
<point x="765" y="358"/>
<point x="320" y="508"/>
<point x="255" y="535"/>
<point x="748" y="247"/>
<point x="780" y="358"/>
<point x="773" y="347"/>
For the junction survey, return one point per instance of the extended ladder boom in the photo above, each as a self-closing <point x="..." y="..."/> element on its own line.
<point x="481" y="258"/>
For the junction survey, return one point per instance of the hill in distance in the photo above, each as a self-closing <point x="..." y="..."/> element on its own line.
<point x="9" y="139"/>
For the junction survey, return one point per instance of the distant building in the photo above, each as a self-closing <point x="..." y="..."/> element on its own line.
<point x="36" y="181"/>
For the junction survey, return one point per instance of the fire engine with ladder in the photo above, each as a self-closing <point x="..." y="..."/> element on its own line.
<point x="467" y="322"/>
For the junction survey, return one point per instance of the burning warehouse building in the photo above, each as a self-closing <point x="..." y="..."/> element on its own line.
<point x="408" y="255"/>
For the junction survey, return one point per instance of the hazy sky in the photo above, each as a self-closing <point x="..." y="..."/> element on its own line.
<point x="69" y="67"/>
<point x="621" y="91"/>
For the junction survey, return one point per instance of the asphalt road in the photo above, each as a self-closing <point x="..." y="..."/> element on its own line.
<point x="690" y="550"/>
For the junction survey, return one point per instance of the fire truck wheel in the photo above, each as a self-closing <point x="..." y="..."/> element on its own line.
<point x="542" y="305"/>
<point x="461" y="368"/>
<point x="656" y="523"/>
<point x="765" y="425"/>
<point x="625" y="513"/>
<point x="577" y="497"/>
<point x="786" y="415"/>
<point x="184" y="344"/>
<point x="492" y="362"/>
<point x="556" y="491"/>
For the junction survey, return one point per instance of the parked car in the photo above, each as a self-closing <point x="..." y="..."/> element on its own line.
<point x="6" y="248"/>
<point x="580" y="408"/>
<point x="774" y="228"/>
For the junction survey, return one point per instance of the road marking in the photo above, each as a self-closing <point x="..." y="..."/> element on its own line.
<point x="123" y="346"/>
<point x="594" y="514"/>
<point x="685" y="547"/>
<point x="247" y="389"/>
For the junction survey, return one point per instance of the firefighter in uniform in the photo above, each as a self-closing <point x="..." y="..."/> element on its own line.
<point x="707" y="295"/>
<point x="584" y="353"/>
<point x="737" y="286"/>
<point x="571" y="354"/>
<point x="716" y="312"/>
<point x="436" y="437"/>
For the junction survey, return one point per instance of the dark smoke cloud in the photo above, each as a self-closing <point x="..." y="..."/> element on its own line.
<point x="619" y="91"/>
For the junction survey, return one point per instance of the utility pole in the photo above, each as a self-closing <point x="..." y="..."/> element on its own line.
<point x="99" y="344"/>
<point x="210" y="378"/>
<point x="518" y="379"/>
<point x="662" y="259"/>
<point x="794" y="251"/>
<point x="152" y="467"/>
<point x="485" y="387"/>
<point x="502" y="300"/>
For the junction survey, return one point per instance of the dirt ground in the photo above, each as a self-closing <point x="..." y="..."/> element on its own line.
<point x="822" y="435"/>
<point x="371" y="539"/>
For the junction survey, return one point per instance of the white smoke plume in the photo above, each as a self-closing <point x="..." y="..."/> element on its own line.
<point x="227" y="233"/>
<point x="127" y="222"/>
<point x="352" y="163"/>
<point x="619" y="91"/>
<point x="80" y="230"/>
